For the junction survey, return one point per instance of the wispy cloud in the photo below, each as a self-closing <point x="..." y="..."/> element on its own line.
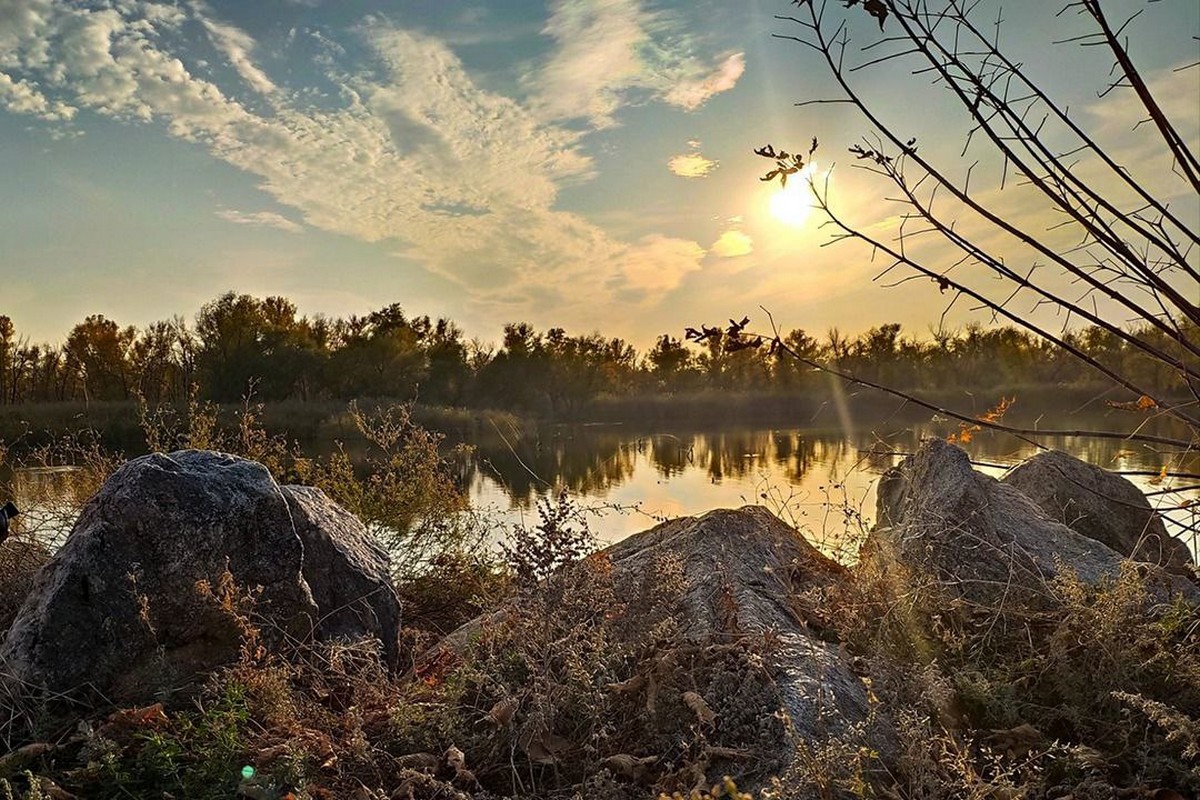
<point x="693" y="164"/>
<point x="237" y="45"/>
<point x="657" y="264"/>
<point x="607" y="49"/>
<point x="692" y="91"/>
<point x="260" y="219"/>
<point x="461" y="179"/>
<point x="596" y="59"/>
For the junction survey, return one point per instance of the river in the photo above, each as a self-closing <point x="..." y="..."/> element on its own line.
<point x="822" y="481"/>
<point x="626" y="480"/>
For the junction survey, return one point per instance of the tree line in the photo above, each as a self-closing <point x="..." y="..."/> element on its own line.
<point x="238" y="345"/>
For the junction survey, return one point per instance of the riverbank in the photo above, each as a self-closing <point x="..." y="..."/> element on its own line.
<point x="939" y="664"/>
<point x="316" y="424"/>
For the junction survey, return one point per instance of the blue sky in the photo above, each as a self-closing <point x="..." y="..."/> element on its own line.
<point x="580" y="163"/>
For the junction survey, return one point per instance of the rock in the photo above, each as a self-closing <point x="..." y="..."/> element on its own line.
<point x="739" y="575"/>
<point x="347" y="570"/>
<point x="119" y="607"/>
<point x="746" y="571"/>
<point x="982" y="540"/>
<point x="758" y="556"/>
<point x="1100" y="505"/>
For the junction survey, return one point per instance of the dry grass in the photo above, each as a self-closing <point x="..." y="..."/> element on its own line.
<point x="572" y="689"/>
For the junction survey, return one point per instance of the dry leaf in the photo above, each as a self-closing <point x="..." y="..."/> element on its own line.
<point x="502" y="713"/>
<point x="546" y="748"/>
<point x="14" y="760"/>
<point x="700" y="708"/>
<point x="419" y="762"/>
<point x="268" y="754"/>
<point x="465" y="778"/>
<point x="53" y="791"/>
<point x="1016" y="741"/>
<point x="634" y="684"/>
<point x="455" y="759"/>
<point x="147" y="716"/>
<point x="630" y="767"/>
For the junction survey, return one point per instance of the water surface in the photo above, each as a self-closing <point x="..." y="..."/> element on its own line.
<point x="822" y="481"/>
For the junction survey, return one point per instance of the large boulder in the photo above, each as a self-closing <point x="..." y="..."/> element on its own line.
<point x="133" y="600"/>
<point x="980" y="540"/>
<point x="347" y="571"/>
<point x="738" y="576"/>
<point x="1099" y="504"/>
<point x="747" y="572"/>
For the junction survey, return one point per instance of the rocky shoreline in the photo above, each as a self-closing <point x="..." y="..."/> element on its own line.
<point x="734" y="653"/>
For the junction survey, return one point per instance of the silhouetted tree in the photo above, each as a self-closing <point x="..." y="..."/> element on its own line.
<point x="1123" y="247"/>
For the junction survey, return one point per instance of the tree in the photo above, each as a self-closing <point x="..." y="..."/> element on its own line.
<point x="161" y="363"/>
<point x="249" y="345"/>
<point x="97" y="359"/>
<point x="8" y="344"/>
<point x="446" y="353"/>
<point x="1065" y="234"/>
<point x="379" y="355"/>
<point x="671" y="363"/>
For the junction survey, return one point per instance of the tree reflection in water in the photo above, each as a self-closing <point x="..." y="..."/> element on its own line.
<point x="661" y="474"/>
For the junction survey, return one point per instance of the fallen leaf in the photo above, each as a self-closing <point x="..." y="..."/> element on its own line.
<point x="455" y="758"/>
<point x="419" y="762"/>
<point x="502" y="713"/>
<point x="17" y="758"/>
<point x="268" y="754"/>
<point x="630" y="767"/>
<point x="634" y="684"/>
<point x="700" y="708"/>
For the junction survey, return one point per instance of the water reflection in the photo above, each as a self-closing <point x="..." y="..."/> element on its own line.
<point x="49" y="499"/>
<point x="819" y="480"/>
<point x="632" y="478"/>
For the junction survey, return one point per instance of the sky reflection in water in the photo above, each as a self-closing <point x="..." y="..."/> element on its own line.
<point x="808" y="477"/>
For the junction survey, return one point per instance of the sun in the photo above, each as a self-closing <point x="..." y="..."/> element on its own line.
<point x="793" y="204"/>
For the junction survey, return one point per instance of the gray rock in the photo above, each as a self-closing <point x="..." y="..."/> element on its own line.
<point x="748" y="571"/>
<point x="1100" y="505"/>
<point x="744" y="572"/>
<point x="347" y="571"/>
<point x="118" y="607"/>
<point x="982" y="540"/>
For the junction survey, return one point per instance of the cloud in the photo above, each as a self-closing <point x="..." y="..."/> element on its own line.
<point x="21" y="97"/>
<point x="693" y="164"/>
<point x="260" y="219"/>
<point x="610" y="50"/>
<point x="462" y="180"/>
<point x="657" y="264"/>
<point x="733" y="244"/>
<point x="595" y="60"/>
<point x="692" y="93"/>
<point x="237" y="46"/>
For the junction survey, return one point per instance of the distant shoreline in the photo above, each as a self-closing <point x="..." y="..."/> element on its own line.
<point x="313" y="423"/>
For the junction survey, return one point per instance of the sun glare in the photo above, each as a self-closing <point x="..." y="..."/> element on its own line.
<point x="793" y="204"/>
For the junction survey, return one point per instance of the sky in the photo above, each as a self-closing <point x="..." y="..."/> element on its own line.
<point x="585" y="164"/>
